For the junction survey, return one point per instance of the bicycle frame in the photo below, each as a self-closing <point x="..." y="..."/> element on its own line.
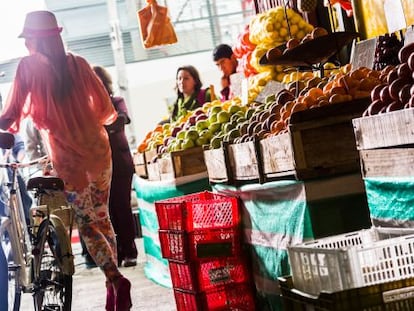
<point x="42" y="253"/>
<point x="19" y="234"/>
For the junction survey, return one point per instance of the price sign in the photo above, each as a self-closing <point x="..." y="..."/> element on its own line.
<point x="409" y="35"/>
<point x="394" y="15"/>
<point x="236" y="84"/>
<point x="363" y="53"/>
<point x="245" y="91"/>
<point x="272" y="87"/>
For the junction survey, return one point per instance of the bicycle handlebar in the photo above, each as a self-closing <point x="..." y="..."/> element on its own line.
<point x="41" y="160"/>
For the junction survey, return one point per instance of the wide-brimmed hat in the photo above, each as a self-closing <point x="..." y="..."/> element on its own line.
<point x="40" y="24"/>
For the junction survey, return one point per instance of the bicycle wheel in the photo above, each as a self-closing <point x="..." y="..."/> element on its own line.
<point x="14" y="291"/>
<point x="53" y="288"/>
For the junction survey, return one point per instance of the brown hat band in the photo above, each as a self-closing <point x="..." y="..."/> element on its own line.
<point x="27" y="32"/>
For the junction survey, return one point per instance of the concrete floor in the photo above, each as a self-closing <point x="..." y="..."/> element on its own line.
<point x="89" y="290"/>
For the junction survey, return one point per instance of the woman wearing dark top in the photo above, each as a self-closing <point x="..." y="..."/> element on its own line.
<point x="190" y="95"/>
<point x="122" y="172"/>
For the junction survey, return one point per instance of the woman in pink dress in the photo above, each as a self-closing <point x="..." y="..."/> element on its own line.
<point x="70" y="106"/>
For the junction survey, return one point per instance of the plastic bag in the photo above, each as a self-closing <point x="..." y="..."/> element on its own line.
<point x="155" y="24"/>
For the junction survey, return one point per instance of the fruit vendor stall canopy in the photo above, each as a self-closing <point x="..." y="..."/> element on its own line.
<point x="281" y="213"/>
<point x="391" y="201"/>
<point x="370" y="20"/>
<point x="147" y="192"/>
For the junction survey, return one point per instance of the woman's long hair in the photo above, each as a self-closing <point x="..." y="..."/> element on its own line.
<point x="105" y="77"/>
<point x="53" y="48"/>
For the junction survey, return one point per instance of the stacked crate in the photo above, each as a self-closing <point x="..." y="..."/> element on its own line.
<point x="201" y="238"/>
<point x="369" y="269"/>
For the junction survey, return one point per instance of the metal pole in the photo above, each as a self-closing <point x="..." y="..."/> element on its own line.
<point x="119" y="59"/>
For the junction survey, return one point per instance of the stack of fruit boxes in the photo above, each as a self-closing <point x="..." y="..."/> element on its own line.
<point x="200" y="235"/>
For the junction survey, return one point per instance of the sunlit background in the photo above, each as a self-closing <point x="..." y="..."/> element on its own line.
<point x="12" y="14"/>
<point x="199" y="24"/>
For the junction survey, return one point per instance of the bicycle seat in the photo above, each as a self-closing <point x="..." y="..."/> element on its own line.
<point x="45" y="182"/>
<point x="6" y="140"/>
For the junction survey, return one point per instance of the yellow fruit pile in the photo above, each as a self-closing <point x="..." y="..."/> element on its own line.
<point x="270" y="29"/>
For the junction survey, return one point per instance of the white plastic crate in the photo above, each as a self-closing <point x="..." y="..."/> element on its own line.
<point x="356" y="259"/>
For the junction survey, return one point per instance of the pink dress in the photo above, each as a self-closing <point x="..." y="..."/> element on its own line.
<point x="73" y="128"/>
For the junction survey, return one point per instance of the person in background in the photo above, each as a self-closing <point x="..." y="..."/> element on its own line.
<point x="70" y="107"/>
<point x="35" y="147"/>
<point x="18" y="153"/>
<point x="122" y="172"/>
<point x="4" y="267"/>
<point x="227" y="63"/>
<point x="190" y="95"/>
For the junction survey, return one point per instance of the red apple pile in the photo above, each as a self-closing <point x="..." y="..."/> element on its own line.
<point x="397" y="88"/>
<point x="386" y="51"/>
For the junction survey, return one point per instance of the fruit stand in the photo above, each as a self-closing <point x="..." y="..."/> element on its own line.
<point x="316" y="152"/>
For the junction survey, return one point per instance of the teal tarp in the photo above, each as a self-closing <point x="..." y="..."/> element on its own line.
<point x="274" y="216"/>
<point x="391" y="201"/>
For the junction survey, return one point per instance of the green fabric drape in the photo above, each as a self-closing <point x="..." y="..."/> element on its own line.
<point x="391" y="200"/>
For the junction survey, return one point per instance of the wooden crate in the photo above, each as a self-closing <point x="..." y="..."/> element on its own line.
<point x="140" y="164"/>
<point x="244" y="160"/>
<point x="217" y="163"/>
<point x="182" y="163"/>
<point x="386" y="144"/>
<point x="385" y="130"/>
<point x="277" y="156"/>
<point x="320" y="142"/>
<point x="388" y="162"/>
<point x="153" y="170"/>
<point x="150" y="155"/>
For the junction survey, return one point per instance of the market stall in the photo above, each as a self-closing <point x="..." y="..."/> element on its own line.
<point x="312" y="148"/>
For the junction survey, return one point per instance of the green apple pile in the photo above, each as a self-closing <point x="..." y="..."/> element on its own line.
<point x="209" y="125"/>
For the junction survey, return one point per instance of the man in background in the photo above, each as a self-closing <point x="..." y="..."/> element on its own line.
<point x="227" y="63"/>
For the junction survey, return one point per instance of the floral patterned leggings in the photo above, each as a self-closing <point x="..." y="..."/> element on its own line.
<point x="93" y="221"/>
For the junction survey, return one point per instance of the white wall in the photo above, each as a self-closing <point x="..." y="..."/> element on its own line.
<point x="151" y="83"/>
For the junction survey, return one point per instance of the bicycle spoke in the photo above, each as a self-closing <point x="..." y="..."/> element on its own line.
<point x="53" y="288"/>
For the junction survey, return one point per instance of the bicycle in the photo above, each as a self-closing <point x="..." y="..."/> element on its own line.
<point x="40" y="253"/>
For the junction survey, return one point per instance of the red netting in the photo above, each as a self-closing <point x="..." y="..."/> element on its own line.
<point x="207" y="275"/>
<point x="203" y="210"/>
<point x="208" y="244"/>
<point x="238" y="297"/>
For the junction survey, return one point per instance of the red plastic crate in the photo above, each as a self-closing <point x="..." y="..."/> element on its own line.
<point x="203" y="210"/>
<point x="201" y="244"/>
<point x="231" y="297"/>
<point x="207" y="275"/>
